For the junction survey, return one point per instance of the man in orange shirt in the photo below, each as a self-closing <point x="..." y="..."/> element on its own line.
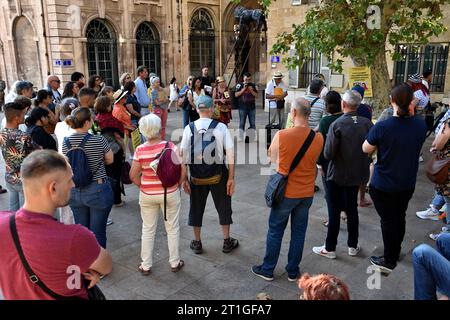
<point x="299" y="192"/>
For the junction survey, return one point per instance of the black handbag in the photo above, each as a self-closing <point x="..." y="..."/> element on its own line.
<point x="94" y="293"/>
<point x="276" y="187"/>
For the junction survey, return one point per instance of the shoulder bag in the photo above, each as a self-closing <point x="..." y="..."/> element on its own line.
<point x="437" y="168"/>
<point x="276" y="187"/>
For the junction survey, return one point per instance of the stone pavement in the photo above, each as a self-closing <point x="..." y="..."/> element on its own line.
<point x="218" y="276"/>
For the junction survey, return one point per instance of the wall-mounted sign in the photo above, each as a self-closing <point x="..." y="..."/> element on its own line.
<point x="63" y="63"/>
<point x="275" y="59"/>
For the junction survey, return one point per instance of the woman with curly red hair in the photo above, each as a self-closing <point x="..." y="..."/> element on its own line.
<point x="323" y="287"/>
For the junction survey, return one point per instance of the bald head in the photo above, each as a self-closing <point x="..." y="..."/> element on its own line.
<point x="302" y="107"/>
<point x="53" y="82"/>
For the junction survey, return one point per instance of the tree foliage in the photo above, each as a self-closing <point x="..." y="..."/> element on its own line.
<point x="341" y="26"/>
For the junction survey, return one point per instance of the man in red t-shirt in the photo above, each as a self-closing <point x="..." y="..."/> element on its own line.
<point x="60" y="255"/>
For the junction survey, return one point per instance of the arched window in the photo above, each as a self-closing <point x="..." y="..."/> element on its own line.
<point x="102" y="51"/>
<point x="202" y="42"/>
<point x="28" y="64"/>
<point x="148" y="48"/>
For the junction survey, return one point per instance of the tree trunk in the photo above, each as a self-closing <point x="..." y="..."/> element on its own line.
<point x="381" y="83"/>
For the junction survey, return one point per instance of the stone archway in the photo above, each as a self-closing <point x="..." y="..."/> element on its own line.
<point x="27" y="55"/>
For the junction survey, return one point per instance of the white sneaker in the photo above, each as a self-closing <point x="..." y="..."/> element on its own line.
<point x="428" y="214"/>
<point x="434" y="236"/>
<point x="354" y="251"/>
<point x="321" y="251"/>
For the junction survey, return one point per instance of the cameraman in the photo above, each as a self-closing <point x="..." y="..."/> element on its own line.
<point x="246" y="93"/>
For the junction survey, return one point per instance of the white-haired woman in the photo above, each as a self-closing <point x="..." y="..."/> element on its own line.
<point x="151" y="197"/>
<point x="160" y="103"/>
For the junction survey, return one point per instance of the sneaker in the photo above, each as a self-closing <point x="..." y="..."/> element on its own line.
<point x="446" y="229"/>
<point x="109" y="222"/>
<point x="316" y="188"/>
<point x="434" y="236"/>
<point x="421" y="159"/>
<point x="196" y="246"/>
<point x="443" y="209"/>
<point x="257" y="271"/>
<point x="229" y="245"/>
<point x="430" y="214"/>
<point x="383" y="266"/>
<point x="321" y="251"/>
<point x="3" y="190"/>
<point x="354" y="251"/>
<point x="292" y="279"/>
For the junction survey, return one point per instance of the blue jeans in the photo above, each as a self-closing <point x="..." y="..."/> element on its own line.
<point x="432" y="269"/>
<point x="185" y="118"/>
<point x="16" y="199"/>
<point x="243" y="114"/>
<point x="91" y="207"/>
<point x="438" y="202"/>
<point x="298" y="210"/>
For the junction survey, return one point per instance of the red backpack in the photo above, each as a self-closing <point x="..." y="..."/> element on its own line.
<point x="168" y="171"/>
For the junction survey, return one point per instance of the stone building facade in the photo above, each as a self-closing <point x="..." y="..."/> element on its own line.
<point x="172" y="37"/>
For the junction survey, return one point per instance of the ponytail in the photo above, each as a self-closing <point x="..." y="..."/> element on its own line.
<point x="402" y="95"/>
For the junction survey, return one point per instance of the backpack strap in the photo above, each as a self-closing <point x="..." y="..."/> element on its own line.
<point x="314" y="101"/>
<point x="31" y="274"/>
<point x="85" y="140"/>
<point x="193" y="131"/>
<point x="213" y="124"/>
<point x="67" y="143"/>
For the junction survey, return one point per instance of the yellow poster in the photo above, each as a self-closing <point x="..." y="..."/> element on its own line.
<point x="136" y="138"/>
<point x="363" y="77"/>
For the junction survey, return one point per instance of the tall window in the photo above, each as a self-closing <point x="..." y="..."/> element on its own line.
<point x="416" y="59"/>
<point x="102" y="51"/>
<point x="313" y="64"/>
<point x="148" y="48"/>
<point x="202" y="43"/>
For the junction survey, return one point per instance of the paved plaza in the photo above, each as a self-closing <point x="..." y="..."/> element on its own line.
<point x="218" y="276"/>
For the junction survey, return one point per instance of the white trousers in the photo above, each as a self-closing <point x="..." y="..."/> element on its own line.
<point x="151" y="207"/>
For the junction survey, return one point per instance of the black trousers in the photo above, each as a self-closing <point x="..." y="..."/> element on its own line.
<point x="222" y="202"/>
<point x="114" y="171"/>
<point x="342" y="198"/>
<point x="391" y="207"/>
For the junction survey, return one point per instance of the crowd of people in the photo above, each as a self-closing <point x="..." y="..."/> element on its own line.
<point x="69" y="152"/>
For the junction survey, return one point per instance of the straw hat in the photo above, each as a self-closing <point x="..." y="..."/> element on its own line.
<point x="119" y="95"/>
<point x="220" y="79"/>
<point x="278" y="75"/>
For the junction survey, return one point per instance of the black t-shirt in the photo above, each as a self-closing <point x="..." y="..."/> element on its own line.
<point x="42" y="138"/>
<point x="246" y="100"/>
<point x="136" y="106"/>
<point x="207" y="81"/>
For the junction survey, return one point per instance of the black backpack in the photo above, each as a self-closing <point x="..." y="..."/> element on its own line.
<point x="203" y="145"/>
<point x="82" y="174"/>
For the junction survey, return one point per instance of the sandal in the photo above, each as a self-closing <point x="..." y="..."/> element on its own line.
<point x="144" y="272"/>
<point x="178" y="267"/>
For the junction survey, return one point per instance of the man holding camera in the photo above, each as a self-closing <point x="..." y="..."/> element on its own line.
<point x="246" y="93"/>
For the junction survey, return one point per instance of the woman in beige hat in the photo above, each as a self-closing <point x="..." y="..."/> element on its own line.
<point x="222" y="102"/>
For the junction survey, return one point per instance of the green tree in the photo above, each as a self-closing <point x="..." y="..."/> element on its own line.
<point x="347" y="29"/>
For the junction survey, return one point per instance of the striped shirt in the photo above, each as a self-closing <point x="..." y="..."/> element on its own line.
<point x="95" y="150"/>
<point x="317" y="111"/>
<point x="145" y="154"/>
